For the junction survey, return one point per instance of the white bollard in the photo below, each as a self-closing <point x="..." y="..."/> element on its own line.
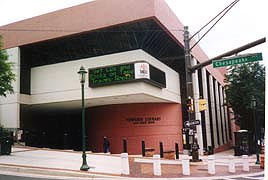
<point x="211" y="165"/>
<point x="185" y="167"/>
<point x="124" y="164"/>
<point x="157" y="165"/>
<point x="231" y="168"/>
<point x="245" y="163"/>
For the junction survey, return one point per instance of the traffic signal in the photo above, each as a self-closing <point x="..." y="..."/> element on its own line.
<point x="190" y="104"/>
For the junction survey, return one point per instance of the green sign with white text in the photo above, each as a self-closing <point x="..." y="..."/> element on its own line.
<point x="237" y="60"/>
<point x="111" y="75"/>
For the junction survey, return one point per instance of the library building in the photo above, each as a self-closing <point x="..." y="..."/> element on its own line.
<point x="135" y="82"/>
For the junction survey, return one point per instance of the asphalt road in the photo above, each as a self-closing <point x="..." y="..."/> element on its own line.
<point x="11" y="177"/>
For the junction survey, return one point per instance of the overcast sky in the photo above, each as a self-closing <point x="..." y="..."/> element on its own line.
<point x="243" y="24"/>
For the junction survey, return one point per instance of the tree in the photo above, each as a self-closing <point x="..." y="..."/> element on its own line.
<point x="243" y="82"/>
<point x="6" y="74"/>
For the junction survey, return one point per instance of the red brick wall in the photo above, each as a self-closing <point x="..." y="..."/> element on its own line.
<point x="114" y="121"/>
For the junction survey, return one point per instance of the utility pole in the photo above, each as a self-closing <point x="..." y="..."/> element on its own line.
<point x="188" y="73"/>
<point x="190" y="96"/>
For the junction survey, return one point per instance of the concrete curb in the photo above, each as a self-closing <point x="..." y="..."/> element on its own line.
<point x="13" y="169"/>
<point x="28" y="161"/>
<point x="67" y="175"/>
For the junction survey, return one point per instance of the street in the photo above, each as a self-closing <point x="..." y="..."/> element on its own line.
<point x="35" y="177"/>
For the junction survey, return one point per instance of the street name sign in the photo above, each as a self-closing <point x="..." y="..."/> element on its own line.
<point x="190" y="123"/>
<point x="237" y="60"/>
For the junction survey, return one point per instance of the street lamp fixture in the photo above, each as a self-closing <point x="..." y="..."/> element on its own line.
<point x="254" y="106"/>
<point x="82" y="72"/>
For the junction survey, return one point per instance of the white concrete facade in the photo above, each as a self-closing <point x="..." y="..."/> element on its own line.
<point x="213" y="111"/>
<point x="9" y="106"/>
<point x="222" y="114"/>
<point x="218" y="112"/>
<point x="57" y="86"/>
<point x="226" y="116"/>
<point x="207" y="116"/>
<point x="197" y="112"/>
<point x="63" y="84"/>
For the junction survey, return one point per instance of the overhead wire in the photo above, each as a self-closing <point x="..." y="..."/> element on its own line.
<point x="233" y="3"/>
<point x="223" y="12"/>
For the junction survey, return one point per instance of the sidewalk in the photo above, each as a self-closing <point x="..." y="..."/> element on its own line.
<point x="67" y="163"/>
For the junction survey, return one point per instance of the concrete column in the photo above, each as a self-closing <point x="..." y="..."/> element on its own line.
<point x="205" y="96"/>
<point x="197" y="112"/>
<point x="217" y="95"/>
<point x="222" y="114"/>
<point x="226" y="116"/>
<point x="10" y="105"/>
<point x="213" y="111"/>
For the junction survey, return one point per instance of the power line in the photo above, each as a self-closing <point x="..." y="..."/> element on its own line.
<point x="223" y="12"/>
<point x="233" y="3"/>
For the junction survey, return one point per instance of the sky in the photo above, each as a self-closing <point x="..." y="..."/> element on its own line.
<point x="244" y="23"/>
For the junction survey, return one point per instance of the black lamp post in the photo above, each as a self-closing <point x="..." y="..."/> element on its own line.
<point x="82" y="72"/>
<point x="254" y="105"/>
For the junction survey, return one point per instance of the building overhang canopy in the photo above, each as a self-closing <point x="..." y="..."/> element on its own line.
<point x="98" y="16"/>
<point x="75" y="106"/>
<point x="145" y="34"/>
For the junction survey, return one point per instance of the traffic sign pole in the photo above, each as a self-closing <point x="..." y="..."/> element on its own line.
<point x="229" y="53"/>
<point x="189" y="86"/>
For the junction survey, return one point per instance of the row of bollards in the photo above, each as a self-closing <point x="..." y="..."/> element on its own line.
<point x="231" y="164"/>
<point x="211" y="165"/>
<point x="185" y="165"/>
<point x="157" y="166"/>
<point x="161" y="149"/>
<point x="143" y="148"/>
<point x="185" y="161"/>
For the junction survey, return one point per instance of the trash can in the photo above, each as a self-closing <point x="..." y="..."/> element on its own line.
<point x="242" y="143"/>
<point x="6" y="147"/>
<point x="6" y="142"/>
